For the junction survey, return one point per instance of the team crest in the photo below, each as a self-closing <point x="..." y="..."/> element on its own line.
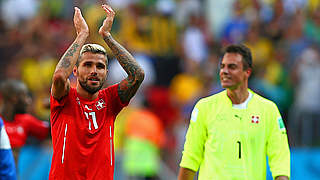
<point x="255" y="119"/>
<point x="100" y="104"/>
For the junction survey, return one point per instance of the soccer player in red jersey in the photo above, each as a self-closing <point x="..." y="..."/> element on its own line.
<point x="82" y="118"/>
<point x="18" y="124"/>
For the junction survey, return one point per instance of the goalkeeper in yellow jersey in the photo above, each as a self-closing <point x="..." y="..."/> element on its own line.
<point x="231" y="133"/>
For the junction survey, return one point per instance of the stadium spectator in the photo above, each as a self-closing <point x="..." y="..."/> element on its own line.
<point x="144" y="135"/>
<point x="14" y="112"/>
<point x="194" y="45"/>
<point x="13" y="16"/>
<point x="305" y="112"/>
<point x="237" y="27"/>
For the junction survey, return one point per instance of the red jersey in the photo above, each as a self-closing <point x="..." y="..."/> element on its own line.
<point x="82" y="135"/>
<point x="23" y="126"/>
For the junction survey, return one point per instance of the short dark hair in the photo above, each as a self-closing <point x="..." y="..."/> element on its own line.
<point x="244" y="51"/>
<point x="11" y="87"/>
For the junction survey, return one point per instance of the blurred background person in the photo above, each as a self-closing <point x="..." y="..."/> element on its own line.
<point x="14" y="111"/>
<point x="305" y="114"/>
<point x="142" y="148"/>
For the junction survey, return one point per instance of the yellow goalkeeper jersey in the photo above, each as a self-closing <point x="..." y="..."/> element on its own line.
<point x="225" y="143"/>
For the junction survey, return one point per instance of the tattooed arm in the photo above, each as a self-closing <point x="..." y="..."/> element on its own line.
<point x="60" y="83"/>
<point x="129" y="86"/>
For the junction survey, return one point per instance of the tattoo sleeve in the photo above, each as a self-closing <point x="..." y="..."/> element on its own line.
<point x="129" y="86"/>
<point x="65" y="61"/>
<point x="60" y="84"/>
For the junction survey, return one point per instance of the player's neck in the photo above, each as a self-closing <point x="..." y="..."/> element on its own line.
<point x="7" y="112"/>
<point x="85" y="94"/>
<point x="239" y="95"/>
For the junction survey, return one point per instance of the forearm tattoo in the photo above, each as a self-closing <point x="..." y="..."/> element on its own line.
<point x="65" y="60"/>
<point x="129" y="86"/>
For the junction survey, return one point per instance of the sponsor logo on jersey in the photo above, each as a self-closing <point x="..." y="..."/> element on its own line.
<point x="78" y="100"/>
<point x="255" y="119"/>
<point x="86" y="107"/>
<point x="281" y="124"/>
<point x="100" y="104"/>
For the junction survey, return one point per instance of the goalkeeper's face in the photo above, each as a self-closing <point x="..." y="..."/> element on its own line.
<point x="232" y="73"/>
<point x="91" y="72"/>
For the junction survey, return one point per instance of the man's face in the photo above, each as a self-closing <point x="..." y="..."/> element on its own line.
<point x="23" y="99"/>
<point x="232" y="74"/>
<point x="91" y="72"/>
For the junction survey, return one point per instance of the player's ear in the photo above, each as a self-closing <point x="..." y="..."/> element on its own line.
<point x="249" y="71"/>
<point x="75" y="71"/>
<point x="107" y="73"/>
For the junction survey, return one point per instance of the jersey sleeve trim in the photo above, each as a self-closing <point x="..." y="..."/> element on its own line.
<point x="189" y="162"/>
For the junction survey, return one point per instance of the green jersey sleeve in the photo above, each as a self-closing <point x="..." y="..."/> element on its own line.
<point x="277" y="145"/>
<point x="192" y="154"/>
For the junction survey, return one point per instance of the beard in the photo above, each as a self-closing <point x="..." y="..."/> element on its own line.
<point x="20" y="110"/>
<point x="20" y="107"/>
<point x="90" y="89"/>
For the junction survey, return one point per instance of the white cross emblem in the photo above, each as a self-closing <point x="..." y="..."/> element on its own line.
<point x="100" y="104"/>
<point x="255" y="119"/>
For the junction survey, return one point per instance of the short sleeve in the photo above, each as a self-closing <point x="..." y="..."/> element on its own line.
<point x="192" y="154"/>
<point x="57" y="105"/>
<point x="277" y="145"/>
<point x="35" y="127"/>
<point x="112" y="98"/>
<point x="54" y="103"/>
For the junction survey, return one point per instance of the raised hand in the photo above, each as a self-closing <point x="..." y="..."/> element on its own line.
<point x="129" y="86"/>
<point x="107" y="23"/>
<point x="79" y="23"/>
<point x="60" y="81"/>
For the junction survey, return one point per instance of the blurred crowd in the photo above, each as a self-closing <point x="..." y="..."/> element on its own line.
<point x="178" y="43"/>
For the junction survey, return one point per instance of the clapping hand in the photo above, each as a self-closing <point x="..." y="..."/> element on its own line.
<point x="79" y="23"/>
<point x="107" y="23"/>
